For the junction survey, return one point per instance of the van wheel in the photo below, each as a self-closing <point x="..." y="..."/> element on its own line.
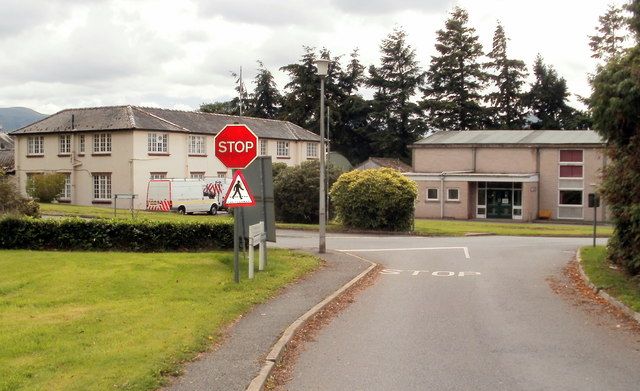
<point x="182" y="210"/>
<point x="213" y="210"/>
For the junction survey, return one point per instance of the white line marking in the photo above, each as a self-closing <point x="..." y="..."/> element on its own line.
<point x="465" y="249"/>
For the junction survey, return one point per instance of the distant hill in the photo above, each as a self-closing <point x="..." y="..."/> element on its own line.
<point x="12" y="118"/>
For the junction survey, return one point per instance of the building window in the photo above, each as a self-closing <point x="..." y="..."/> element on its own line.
<point x="197" y="175"/>
<point x="35" y="145"/>
<point x="196" y="145"/>
<point x="66" y="191"/>
<point x="222" y="174"/>
<point x="312" y="150"/>
<point x="432" y="194"/>
<point x="81" y="144"/>
<point x="263" y="147"/>
<point x="453" y="194"/>
<point x="157" y="175"/>
<point x="570" y="197"/>
<point x="64" y="144"/>
<point x="570" y="171"/>
<point x="102" y="187"/>
<point x="571" y="156"/>
<point x="282" y="149"/>
<point x="102" y="143"/>
<point x="158" y="143"/>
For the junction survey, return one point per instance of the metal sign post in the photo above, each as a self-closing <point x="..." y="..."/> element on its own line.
<point x="594" y="202"/>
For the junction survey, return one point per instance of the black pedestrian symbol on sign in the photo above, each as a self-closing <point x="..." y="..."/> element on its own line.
<point x="236" y="190"/>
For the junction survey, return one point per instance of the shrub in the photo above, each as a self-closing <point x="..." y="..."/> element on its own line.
<point x="381" y="199"/>
<point x="11" y="202"/>
<point x="296" y="192"/>
<point x="278" y="168"/>
<point x="103" y="234"/>
<point x="46" y="187"/>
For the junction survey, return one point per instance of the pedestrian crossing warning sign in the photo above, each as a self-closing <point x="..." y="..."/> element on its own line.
<point x="239" y="195"/>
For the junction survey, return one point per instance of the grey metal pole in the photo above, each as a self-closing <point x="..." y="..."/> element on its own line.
<point x="236" y="244"/>
<point x="326" y="179"/>
<point x="322" y="248"/>
<point x="595" y="218"/>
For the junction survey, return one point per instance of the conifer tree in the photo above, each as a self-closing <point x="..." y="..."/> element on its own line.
<point x="266" y="97"/>
<point x="395" y="116"/>
<point x="547" y="97"/>
<point x="456" y="78"/>
<point x="609" y="38"/>
<point x="507" y="76"/>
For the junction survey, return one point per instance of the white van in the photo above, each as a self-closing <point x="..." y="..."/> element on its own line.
<point x="186" y="195"/>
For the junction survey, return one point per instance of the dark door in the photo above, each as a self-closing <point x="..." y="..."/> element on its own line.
<point x="499" y="204"/>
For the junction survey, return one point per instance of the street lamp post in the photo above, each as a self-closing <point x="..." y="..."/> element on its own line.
<point x="322" y="64"/>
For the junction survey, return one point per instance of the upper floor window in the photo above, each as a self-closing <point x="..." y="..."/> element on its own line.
<point x="263" y="147"/>
<point x="282" y="149"/>
<point x="197" y="175"/>
<point x="81" y="144"/>
<point x="196" y="145"/>
<point x="102" y="143"/>
<point x="571" y="156"/>
<point x="312" y="150"/>
<point x="158" y="142"/>
<point x="571" y="162"/>
<point x="35" y="145"/>
<point x="64" y="144"/>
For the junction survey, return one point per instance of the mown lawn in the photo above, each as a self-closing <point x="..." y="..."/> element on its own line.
<point x="422" y="226"/>
<point x="103" y="212"/>
<point x="609" y="277"/>
<point x="99" y="321"/>
<point x="459" y="228"/>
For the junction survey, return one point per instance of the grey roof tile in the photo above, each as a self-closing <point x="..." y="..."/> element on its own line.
<point x="512" y="137"/>
<point x="149" y="118"/>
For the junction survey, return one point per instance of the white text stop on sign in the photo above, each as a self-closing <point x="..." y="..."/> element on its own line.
<point x="235" y="146"/>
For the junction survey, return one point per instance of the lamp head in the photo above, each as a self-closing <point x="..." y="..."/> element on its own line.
<point x="323" y="66"/>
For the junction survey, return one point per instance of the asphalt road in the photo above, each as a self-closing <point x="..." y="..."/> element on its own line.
<point x="465" y="314"/>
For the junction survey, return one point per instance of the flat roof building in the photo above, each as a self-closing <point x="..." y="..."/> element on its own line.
<point x="508" y="174"/>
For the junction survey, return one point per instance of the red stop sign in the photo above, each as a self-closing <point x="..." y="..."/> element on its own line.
<point x="236" y="146"/>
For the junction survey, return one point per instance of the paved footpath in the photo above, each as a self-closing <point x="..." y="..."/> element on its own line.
<point x="239" y="358"/>
<point x="467" y="314"/>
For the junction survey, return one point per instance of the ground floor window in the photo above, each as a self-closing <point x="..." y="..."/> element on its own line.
<point x="453" y="194"/>
<point x="157" y="175"/>
<point x="102" y="186"/>
<point x="197" y="175"/>
<point x="66" y="191"/>
<point x="432" y="194"/>
<point x="570" y="204"/>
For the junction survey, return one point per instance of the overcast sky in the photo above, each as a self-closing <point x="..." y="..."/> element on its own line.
<point x="57" y="54"/>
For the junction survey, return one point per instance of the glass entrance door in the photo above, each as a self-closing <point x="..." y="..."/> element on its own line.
<point x="499" y="203"/>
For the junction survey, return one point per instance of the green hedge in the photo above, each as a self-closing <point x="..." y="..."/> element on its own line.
<point x="103" y="235"/>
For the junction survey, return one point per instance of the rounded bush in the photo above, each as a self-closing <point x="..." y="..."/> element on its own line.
<point x="379" y="199"/>
<point x="296" y="192"/>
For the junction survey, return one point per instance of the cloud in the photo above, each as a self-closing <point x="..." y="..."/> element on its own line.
<point x="373" y="7"/>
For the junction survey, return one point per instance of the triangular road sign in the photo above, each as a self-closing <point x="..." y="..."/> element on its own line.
<point x="239" y="195"/>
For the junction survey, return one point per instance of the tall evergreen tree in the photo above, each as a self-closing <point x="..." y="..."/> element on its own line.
<point x="300" y="102"/>
<point x="266" y="97"/>
<point x="547" y="97"/>
<point x="456" y="78"/>
<point x="351" y="133"/>
<point x="507" y="76"/>
<point x="395" y="115"/>
<point x="610" y="35"/>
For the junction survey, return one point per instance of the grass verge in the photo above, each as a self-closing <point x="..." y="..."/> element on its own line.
<point x="107" y="213"/>
<point x="460" y="228"/>
<point x="609" y="277"/>
<point x="97" y="321"/>
<point x="422" y="226"/>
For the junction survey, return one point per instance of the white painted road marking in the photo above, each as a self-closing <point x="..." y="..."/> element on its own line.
<point x="465" y="249"/>
<point x="439" y="273"/>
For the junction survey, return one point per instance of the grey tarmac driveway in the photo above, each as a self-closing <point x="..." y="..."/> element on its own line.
<point x="436" y="320"/>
